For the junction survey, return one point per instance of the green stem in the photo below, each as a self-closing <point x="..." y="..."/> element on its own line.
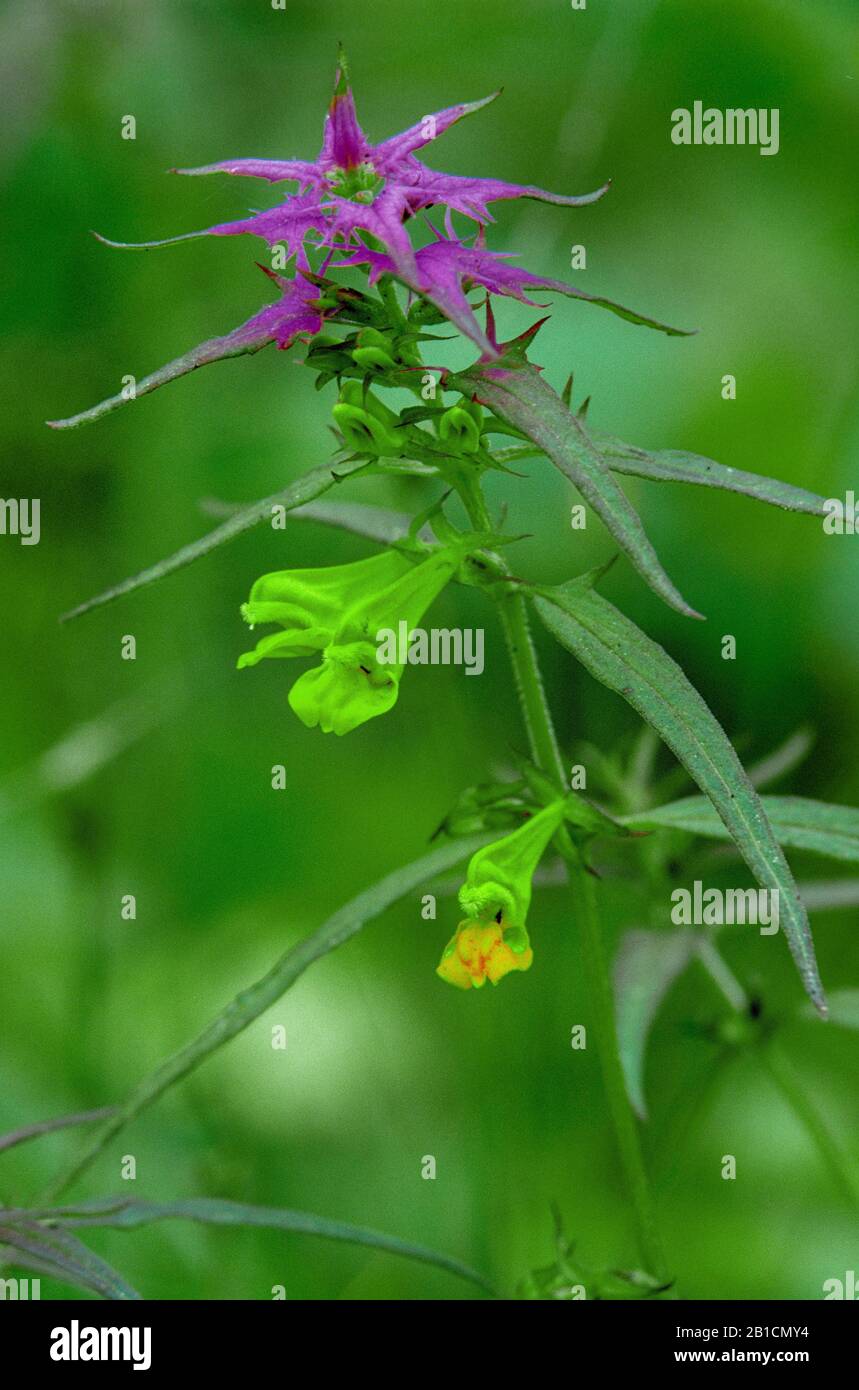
<point x="529" y="685"/>
<point x="547" y="754"/>
<point x="601" y="1000"/>
<point x="388" y="294"/>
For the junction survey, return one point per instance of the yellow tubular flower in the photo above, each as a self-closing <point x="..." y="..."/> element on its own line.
<point x="493" y="939"/>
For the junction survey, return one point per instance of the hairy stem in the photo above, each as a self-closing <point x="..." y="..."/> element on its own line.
<point x="547" y="754"/>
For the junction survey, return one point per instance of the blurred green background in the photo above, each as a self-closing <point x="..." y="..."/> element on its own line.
<point x="384" y="1064"/>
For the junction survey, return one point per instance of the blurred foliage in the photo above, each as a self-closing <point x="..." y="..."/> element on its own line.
<point x="383" y="1064"/>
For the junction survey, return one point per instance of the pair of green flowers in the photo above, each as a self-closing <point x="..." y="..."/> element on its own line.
<point x="339" y="611"/>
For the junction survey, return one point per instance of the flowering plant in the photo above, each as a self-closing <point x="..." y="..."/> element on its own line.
<point x="368" y="210"/>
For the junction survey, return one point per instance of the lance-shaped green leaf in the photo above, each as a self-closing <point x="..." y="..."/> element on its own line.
<point x="298" y="313"/>
<point x="214" y="350"/>
<point x="304" y="489"/>
<point x="797" y="822"/>
<point x="646" y="966"/>
<point x="523" y="398"/>
<point x="678" y="466"/>
<point x="258" y="997"/>
<point x="127" y="1214"/>
<point x="623" y="658"/>
<point x="60" y="1255"/>
<point x="380" y="524"/>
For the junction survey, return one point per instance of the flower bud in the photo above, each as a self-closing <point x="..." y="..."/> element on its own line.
<point x="366" y="423"/>
<point x="459" y="427"/>
<point x="374" y="351"/>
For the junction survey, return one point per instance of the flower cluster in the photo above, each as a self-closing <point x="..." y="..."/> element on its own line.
<point x="337" y="612"/>
<point x="356" y="201"/>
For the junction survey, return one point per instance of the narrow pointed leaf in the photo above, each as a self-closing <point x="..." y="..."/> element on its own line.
<point x="646" y="966"/>
<point x="522" y="397"/>
<point x="830" y="894"/>
<point x="797" y="822"/>
<point x="379" y="524"/>
<point x="258" y="997"/>
<point x="783" y="759"/>
<point x="128" y="1214"/>
<point x="677" y="466"/>
<point x="304" y="489"/>
<point x="60" y="1255"/>
<point x="250" y="338"/>
<point x="623" y="658"/>
<point x="361" y="518"/>
<point x="630" y="315"/>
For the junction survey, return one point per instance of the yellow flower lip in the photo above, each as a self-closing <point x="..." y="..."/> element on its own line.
<point x="479" y="952"/>
<point x="493" y="940"/>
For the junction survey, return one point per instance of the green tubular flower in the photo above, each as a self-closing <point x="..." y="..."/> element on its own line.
<point x="496" y="895"/>
<point x="366" y="423"/>
<point x="340" y="611"/>
<point x="499" y="875"/>
<point x="309" y="603"/>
